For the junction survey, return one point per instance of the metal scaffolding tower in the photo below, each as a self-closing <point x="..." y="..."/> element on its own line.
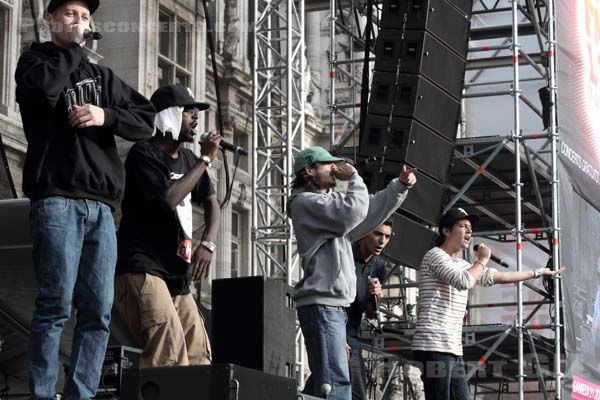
<point x="278" y="129"/>
<point x="278" y="68"/>
<point x="511" y="179"/>
<point x="348" y="31"/>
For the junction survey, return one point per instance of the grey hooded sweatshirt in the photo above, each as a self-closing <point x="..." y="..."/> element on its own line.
<point x="325" y="225"/>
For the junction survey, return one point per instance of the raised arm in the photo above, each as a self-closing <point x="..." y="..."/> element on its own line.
<point x="39" y="74"/>
<point x="383" y="204"/>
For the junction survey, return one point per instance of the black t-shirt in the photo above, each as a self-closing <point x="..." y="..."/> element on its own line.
<point x="149" y="235"/>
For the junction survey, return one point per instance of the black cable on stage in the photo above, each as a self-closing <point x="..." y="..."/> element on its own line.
<point x="211" y="46"/>
<point x="34" y="17"/>
<point x="364" y="91"/>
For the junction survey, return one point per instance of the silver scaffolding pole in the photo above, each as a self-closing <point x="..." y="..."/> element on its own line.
<point x="518" y="224"/>
<point x="278" y="68"/>
<point x="554" y="137"/>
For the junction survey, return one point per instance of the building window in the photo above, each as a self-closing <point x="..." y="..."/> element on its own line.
<point x="174" y="50"/>
<point x="236" y="243"/>
<point x="4" y="37"/>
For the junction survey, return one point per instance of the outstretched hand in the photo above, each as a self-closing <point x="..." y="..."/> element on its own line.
<point x="407" y="176"/>
<point x="549" y="272"/>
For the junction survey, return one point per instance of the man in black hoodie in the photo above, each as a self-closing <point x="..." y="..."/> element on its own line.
<point x="71" y="112"/>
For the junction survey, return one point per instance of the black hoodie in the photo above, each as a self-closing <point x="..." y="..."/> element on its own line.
<point x="64" y="161"/>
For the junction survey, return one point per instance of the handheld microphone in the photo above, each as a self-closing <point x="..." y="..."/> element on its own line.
<point x="494" y="258"/>
<point x="92" y="35"/>
<point x="325" y="390"/>
<point x="376" y="305"/>
<point x="365" y="162"/>
<point x="226" y="145"/>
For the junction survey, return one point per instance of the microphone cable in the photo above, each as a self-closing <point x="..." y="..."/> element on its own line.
<point x="215" y="73"/>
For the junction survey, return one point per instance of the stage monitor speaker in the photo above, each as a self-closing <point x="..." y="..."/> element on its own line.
<point x="254" y="324"/>
<point x="420" y="53"/>
<point x="416" y="98"/>
<point x="410" y="142"/>
<point x="439" y="17"/>
<point x="409" y="243"/>
<point x="206" y="382"/>
<point x="424" y="200"/>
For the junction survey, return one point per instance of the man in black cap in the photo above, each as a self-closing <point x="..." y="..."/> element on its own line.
<point x="444" y="283"/>
<point x="71" y="111"/>
<point x="156" y="261"/>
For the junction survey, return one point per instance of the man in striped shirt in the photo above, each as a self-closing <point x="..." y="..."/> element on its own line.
<point x="444" y="281"/>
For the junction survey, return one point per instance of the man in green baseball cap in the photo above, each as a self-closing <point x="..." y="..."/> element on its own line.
<point x="326" y="223"/>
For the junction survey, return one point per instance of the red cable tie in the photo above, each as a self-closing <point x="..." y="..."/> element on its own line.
<point x="480" y="170"/>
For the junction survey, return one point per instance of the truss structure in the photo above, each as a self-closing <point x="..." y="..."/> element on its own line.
<point x="511" y="178"/>
<point x="278" y="129"/>
<point x="278" y="69"/>
<point x="348" y="31"/>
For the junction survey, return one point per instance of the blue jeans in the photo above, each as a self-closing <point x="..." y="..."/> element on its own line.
<point x="324" y="330"/>
<point x="443" y="375"/>
<point x="74" y="257"/>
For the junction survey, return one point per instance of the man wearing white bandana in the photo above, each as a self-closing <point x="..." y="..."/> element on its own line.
<point x="157" y="261"/>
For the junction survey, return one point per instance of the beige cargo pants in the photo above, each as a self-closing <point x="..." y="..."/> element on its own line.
<point x="171" y="329"/>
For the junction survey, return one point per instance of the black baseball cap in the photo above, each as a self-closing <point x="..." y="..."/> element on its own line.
<point x="175" y="96"/>
<point x="92" y="5"/>
<point x="454" y="215"/>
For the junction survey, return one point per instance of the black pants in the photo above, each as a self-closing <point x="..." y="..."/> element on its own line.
<point x="358" y="371"/>
<point x="443" y="375"/>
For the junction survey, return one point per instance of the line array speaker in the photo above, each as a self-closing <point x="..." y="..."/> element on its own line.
<point x="420" y="53"/>
<point x="409" y="243"/>
<point x="409" y="142"/>
<point x="442" y="18"/>
<point x="416" y="98"/>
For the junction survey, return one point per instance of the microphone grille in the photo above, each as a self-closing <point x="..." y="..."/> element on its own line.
<point x="202" y="137"/>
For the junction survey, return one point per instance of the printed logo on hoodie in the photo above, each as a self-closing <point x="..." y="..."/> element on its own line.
<point x="87" y="91"/>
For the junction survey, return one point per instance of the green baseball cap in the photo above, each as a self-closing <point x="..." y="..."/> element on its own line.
<point x="312" y="155"/>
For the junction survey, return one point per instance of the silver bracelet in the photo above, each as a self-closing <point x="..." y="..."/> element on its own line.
<point x="537" y="273"/>
<point x="478" y="262"/>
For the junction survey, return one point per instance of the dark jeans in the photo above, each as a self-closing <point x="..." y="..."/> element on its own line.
<point x="358" y="371"/>
<point x="74" y="257"/>
<point x="324" y="330"/>
<point x="443" y="375"/>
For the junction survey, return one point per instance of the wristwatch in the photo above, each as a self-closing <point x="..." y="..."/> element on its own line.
<point x="206" y="159"/>
<point x="210" y="246"/>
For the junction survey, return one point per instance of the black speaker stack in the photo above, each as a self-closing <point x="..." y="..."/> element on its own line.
<point x="254" y="324"/>
<point x="414" y="111"/>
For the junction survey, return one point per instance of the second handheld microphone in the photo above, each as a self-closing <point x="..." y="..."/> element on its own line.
<point x="226" y="145"/>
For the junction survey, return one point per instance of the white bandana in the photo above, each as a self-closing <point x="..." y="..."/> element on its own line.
<point x="169" y="120"/>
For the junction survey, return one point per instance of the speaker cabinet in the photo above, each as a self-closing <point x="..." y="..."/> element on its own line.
<point x="425" y="198"/>
<point x="206" y="382"/>
<point x="415" y="97"/>
<point x="439" y="17"/>
<point x="420" y="53"/>
<point x="254" y="324"/>
<point x="408" y="142"/>
<point x="409" y="243"/>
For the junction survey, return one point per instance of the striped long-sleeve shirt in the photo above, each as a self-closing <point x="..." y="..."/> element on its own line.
<point x="444" y="285"/>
